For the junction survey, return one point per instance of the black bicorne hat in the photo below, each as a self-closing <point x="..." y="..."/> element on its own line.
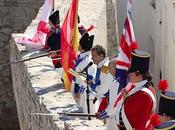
<point x="140" y="62"/>
<point x="55" y="17"/>
<point x="86" y="42"/>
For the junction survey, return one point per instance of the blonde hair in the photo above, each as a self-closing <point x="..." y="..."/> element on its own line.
<point x="112" y="65"/>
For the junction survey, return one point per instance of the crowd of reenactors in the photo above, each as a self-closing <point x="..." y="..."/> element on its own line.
<point x="134" y="106"/>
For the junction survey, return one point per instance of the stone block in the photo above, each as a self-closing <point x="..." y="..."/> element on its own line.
<point x="6" y="30"/>
<point x="11" y="3"/>
<point x="4" y="37"/>
<point x="17" y="12"/>
<point x="2" y="44"/>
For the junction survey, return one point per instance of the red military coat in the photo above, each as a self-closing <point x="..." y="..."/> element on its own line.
<point x="137" y="107"/>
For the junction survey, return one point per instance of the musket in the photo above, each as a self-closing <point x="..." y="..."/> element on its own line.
<point x="31" y="58"/>
<point x="64" y="113"/>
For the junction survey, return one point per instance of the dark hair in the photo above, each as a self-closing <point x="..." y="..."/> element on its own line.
<point x="148" y="76"/>
<point x="99" y="49"/>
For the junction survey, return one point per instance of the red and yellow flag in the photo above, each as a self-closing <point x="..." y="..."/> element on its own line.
<point x="69" y="42"/>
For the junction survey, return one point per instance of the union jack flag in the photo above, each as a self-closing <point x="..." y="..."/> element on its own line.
<point x="126" y="46"/>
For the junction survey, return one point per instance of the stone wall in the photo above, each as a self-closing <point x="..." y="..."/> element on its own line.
<point x="62" y="6"/>
<point x="28" y="78"/>
<point x="15" y="17"/>
<point x="111" y="27"/>
<point x="94" y="13"/>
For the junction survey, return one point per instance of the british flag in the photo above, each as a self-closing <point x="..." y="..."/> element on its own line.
<point x="126" y="46"/>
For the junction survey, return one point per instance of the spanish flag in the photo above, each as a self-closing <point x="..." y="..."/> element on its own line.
<point x="69" y="42"/>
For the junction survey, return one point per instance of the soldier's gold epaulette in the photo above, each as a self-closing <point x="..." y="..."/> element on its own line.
<point x="104" y="69"/>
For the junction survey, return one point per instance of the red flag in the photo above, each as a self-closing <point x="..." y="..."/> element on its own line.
<point x="69" y="42"/>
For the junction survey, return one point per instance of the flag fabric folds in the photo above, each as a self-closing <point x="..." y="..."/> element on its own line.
<point x="69" y="42"/>
<point x="38" y="37"/>
<point x="126" y="46"/>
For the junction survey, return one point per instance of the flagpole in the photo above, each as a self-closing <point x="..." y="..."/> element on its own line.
<point x="87" y="94"/>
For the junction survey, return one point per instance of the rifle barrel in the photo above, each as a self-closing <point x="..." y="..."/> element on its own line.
<point x="64" y="113"/>
<point x="30" y="58"/>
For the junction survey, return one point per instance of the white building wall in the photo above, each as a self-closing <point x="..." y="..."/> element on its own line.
<point x="144" y="22"/>
<point x="165" y="43"/>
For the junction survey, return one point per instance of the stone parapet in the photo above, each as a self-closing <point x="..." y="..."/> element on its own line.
<point x="31" y="80"/>
<point x="36" y="84"/>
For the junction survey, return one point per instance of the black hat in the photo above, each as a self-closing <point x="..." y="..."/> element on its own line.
<point x="167" y="100"/>
<point x="55" y="17"/>
<point x="86" y="42"/>
<point x="167" y="104"/>
<point x="140" y="62"/>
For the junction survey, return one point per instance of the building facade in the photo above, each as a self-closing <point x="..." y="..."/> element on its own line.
<point x="164" y="65"/>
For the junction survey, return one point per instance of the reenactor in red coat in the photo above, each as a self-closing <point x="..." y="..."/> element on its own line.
<point x="166" y="109"/>
<point x="136" y="102"/>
